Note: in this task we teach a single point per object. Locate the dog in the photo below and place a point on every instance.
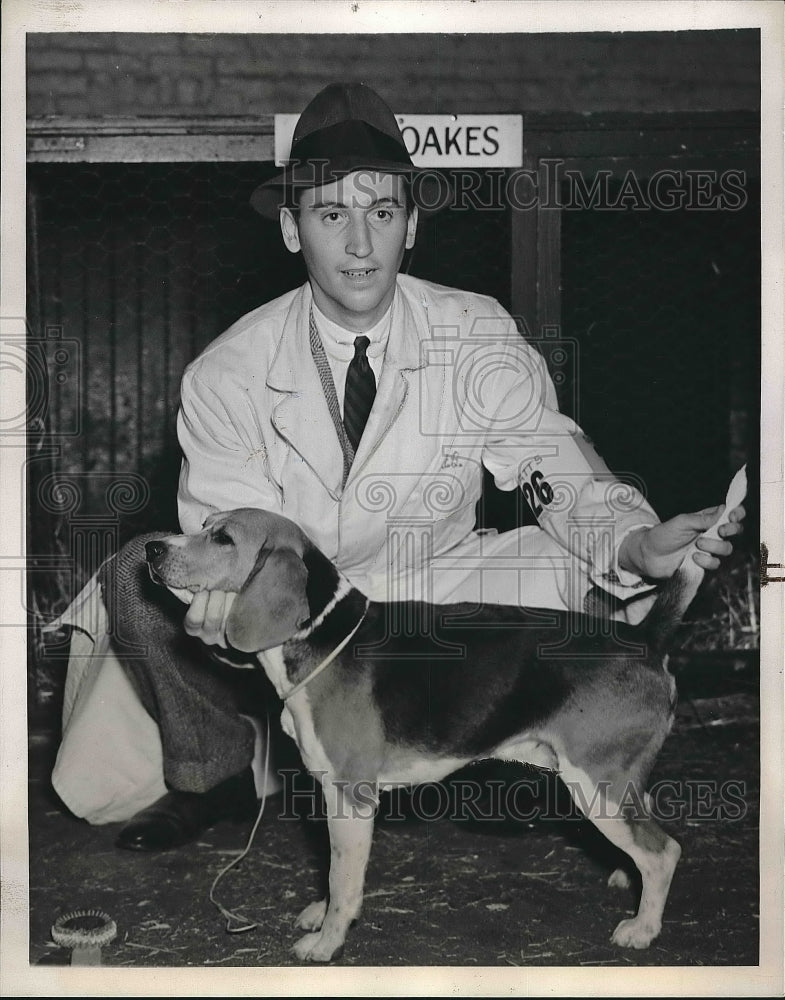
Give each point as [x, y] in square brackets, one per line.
[373, 705]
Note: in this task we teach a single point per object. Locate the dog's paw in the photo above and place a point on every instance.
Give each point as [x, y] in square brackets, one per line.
[312, 917]
[314, 948]
[634, 933]
[619, 879]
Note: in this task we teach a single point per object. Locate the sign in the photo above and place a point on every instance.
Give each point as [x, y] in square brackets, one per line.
[441, 140]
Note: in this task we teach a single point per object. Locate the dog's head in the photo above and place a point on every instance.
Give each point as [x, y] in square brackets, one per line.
[258, 555]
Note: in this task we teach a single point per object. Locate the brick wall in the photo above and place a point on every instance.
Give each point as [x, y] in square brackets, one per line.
[197, 74]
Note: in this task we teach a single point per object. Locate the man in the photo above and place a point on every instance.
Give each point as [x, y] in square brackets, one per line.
[363, 406]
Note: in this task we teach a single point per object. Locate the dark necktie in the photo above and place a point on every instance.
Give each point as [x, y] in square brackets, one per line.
[360, 392]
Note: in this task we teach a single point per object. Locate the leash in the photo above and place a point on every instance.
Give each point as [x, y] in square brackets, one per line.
[237, 923]
[328, 659]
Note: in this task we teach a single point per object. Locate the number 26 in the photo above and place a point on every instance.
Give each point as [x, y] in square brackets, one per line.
[538, 493]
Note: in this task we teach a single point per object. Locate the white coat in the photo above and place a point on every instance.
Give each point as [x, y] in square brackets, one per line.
[460, 388]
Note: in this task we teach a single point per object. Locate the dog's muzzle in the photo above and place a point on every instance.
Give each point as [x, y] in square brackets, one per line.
[154, 553]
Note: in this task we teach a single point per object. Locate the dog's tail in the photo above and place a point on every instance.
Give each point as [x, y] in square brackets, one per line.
[674, 598]
[677, 594]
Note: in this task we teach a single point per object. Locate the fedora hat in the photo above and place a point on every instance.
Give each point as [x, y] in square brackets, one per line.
[348, 127]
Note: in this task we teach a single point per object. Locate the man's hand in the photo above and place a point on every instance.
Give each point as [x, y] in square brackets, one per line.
[207, 614]
[657, 552]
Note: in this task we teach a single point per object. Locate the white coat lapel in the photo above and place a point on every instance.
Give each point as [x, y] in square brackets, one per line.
[301, 415]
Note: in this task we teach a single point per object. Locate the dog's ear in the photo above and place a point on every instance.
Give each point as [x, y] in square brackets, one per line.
[271, 605]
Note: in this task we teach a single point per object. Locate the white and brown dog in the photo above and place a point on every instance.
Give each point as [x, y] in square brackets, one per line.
[372, 705]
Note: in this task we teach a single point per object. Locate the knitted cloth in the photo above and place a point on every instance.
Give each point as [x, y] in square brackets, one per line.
[193, 699]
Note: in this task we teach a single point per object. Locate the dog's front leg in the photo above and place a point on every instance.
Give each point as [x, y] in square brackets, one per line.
[350, 824]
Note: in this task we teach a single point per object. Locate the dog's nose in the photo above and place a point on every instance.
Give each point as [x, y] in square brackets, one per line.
[154, 550]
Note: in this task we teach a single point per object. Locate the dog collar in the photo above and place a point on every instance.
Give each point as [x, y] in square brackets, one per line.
[328, 659]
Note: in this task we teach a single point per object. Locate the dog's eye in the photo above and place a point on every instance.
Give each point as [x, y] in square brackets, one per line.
[222, 537]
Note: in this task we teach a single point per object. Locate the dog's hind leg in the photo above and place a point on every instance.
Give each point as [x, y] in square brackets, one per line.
[620, 877]
[350, 824]
[619, 809]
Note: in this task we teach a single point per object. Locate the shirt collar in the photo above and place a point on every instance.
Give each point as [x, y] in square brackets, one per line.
[339, 342]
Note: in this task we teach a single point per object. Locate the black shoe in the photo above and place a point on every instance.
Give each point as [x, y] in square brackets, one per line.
[179, 817]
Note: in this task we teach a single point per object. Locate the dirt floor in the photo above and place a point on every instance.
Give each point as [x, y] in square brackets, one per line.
[509, 878]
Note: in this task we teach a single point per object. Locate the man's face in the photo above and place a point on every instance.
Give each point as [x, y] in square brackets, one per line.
[352, 234]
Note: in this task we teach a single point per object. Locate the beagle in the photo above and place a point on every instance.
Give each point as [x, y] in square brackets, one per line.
[379, 695]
